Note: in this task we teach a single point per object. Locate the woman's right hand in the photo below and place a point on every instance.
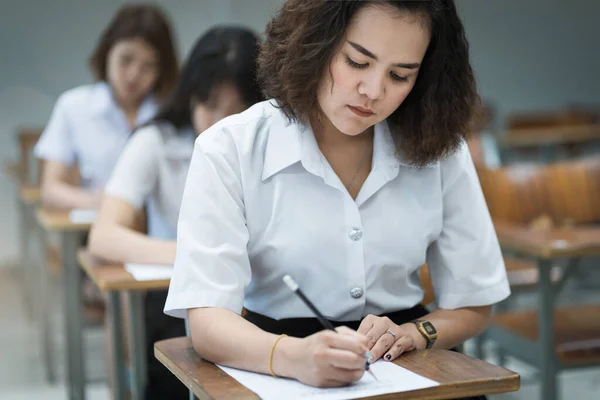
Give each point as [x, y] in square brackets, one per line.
[329, 359]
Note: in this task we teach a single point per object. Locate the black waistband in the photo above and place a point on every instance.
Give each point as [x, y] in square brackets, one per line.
[302, 327]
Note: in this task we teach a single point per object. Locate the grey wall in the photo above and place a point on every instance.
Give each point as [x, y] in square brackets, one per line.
[534, 54]
[527, 54]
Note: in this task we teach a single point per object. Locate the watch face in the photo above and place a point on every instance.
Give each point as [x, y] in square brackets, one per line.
[429, 328]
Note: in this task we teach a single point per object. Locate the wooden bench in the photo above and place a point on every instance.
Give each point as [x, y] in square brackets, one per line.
[459, 375]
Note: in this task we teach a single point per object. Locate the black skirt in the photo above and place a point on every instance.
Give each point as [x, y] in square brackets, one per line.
[303, 327]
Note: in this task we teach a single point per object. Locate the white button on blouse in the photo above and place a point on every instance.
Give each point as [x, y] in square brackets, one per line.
[261, 201]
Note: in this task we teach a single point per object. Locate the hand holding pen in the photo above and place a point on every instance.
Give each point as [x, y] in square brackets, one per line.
[347, 349]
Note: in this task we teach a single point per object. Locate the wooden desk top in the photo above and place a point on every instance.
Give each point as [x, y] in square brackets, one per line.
[547, 244]
[58, 221]
[30, 194]
[531, 137]
[459, 375]
[114, 277]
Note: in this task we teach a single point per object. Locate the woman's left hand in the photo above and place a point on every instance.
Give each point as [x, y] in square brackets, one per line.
[382, 343]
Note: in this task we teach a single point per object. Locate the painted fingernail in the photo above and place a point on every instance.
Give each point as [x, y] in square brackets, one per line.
[388, 357]
[369, 357]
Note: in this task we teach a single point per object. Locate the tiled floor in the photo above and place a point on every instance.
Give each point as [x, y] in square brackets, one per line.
[22, 374]
[22, 371]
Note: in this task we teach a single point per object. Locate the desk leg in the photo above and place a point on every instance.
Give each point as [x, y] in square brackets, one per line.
[45, 301]
[549, 363]
[73, 317]
[25, 260]
[116, 338]
[188, 333]
[137, 344]
[502, 307]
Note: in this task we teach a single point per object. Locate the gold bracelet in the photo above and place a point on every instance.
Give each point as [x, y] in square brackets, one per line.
[271, 354]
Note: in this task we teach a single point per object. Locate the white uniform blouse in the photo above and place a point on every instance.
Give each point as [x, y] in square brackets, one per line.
[151, 171]
[261, 201]
[88, 128]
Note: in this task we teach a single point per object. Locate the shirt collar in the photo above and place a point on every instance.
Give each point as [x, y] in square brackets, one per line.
[103, 103]
[283, 144]
[291, 142]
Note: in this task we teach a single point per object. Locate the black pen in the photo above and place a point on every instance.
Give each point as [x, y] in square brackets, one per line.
[291, 283]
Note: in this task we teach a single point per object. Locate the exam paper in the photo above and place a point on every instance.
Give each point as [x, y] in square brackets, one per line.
[78, 216]
[149, 272]
[392, 379]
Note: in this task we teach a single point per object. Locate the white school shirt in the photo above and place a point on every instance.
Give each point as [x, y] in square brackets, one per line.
[261, 201]
[88, 128]
[152, 170]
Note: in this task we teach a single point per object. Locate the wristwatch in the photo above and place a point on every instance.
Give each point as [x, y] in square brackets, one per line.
[428, 331]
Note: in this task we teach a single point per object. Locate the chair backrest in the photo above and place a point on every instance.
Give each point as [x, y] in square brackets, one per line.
[141, 221]
[566, 192]
[429, 295]
[29, 168]
[550, 119]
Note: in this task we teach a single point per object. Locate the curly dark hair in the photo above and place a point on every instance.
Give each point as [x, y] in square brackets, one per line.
[433, 120]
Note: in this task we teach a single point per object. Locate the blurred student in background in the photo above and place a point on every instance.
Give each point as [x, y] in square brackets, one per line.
[217, 80]
[135, 66]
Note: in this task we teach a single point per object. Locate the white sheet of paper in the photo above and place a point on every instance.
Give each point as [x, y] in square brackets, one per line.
[392, 379]
[149, 272]
[78, 216]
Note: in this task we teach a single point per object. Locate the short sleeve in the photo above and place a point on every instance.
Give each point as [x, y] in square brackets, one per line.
[212, 267]
[56, 143]
[136, 172]
[466, 263]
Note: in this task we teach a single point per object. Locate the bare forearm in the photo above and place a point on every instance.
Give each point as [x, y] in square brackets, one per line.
[121, 244]
[455, 326]
[223, 337]
[60, 195]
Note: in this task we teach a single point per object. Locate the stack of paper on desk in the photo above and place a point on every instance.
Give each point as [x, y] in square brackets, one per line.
[78, 216]
[149, 272]
[392, 379]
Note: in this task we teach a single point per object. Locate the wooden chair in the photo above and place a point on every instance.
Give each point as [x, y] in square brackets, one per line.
[539, 198]
[546, 119]
[429, 295]
[27, 138]
[566, 192]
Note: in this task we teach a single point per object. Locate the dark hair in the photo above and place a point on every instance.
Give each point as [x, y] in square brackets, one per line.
[431, 122]
[224, 54]
[149, 23]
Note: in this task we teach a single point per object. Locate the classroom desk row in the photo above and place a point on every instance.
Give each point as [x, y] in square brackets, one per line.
[528, 336]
